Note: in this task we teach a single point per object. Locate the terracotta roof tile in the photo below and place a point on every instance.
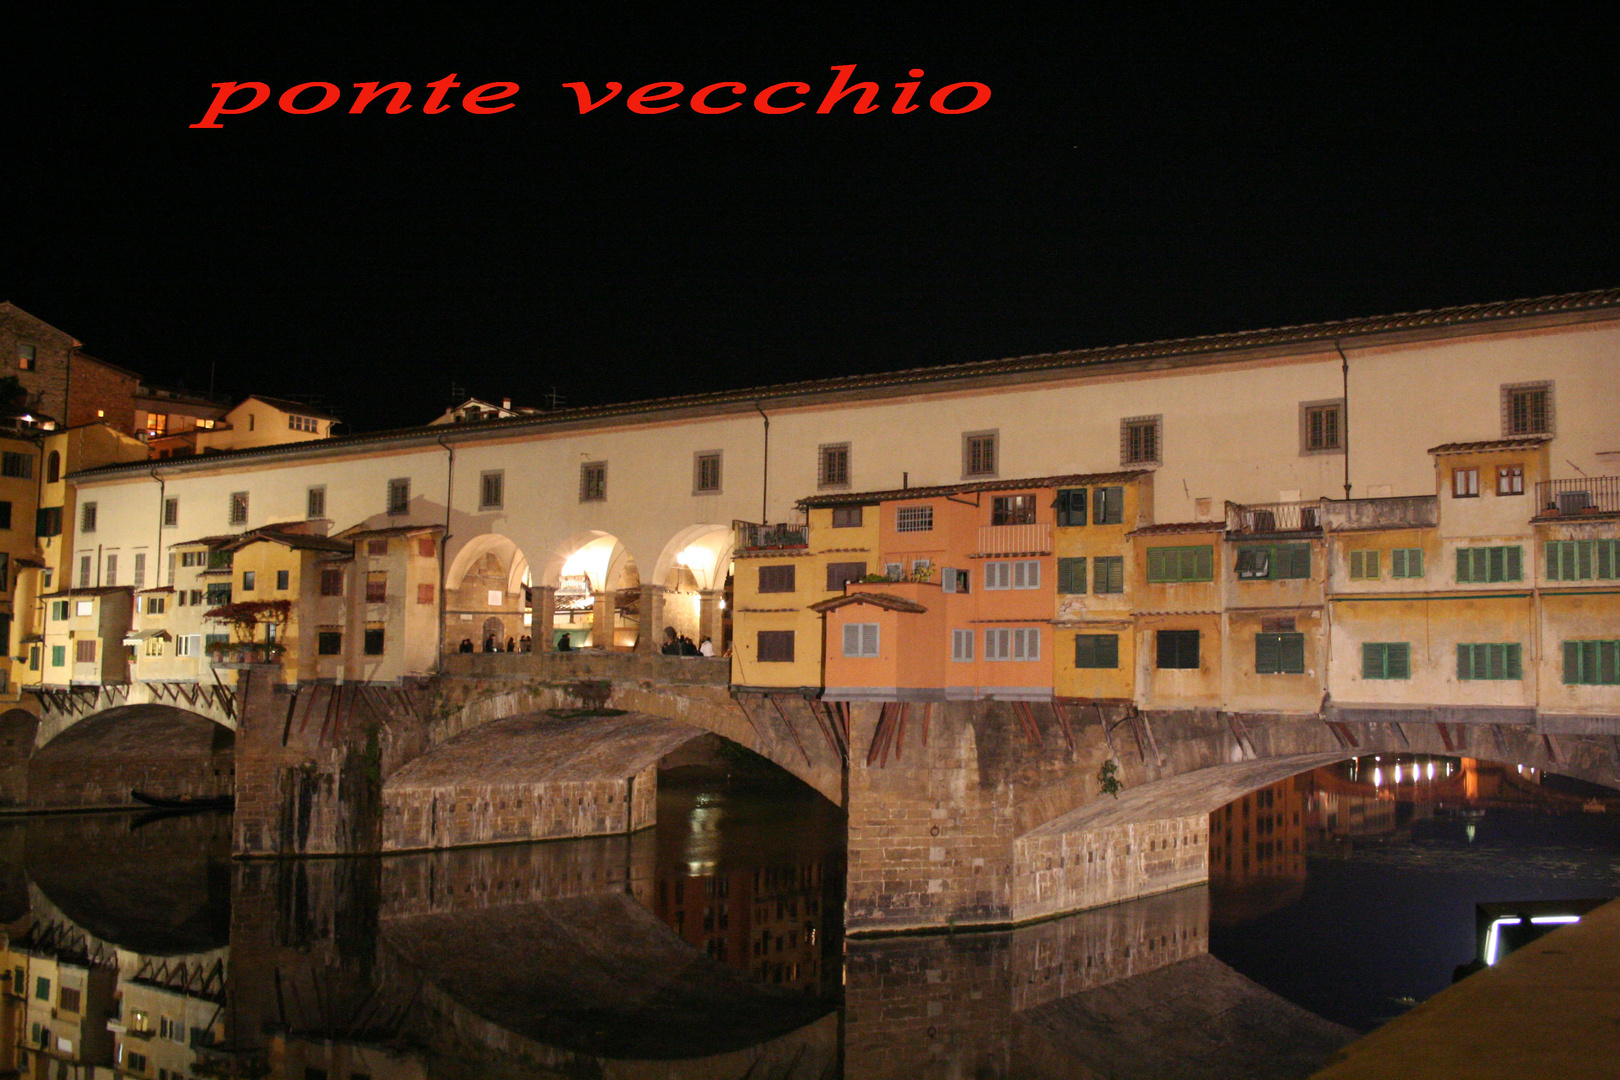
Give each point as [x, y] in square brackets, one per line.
[1171, 528]
[887, 601]
[1523, 442]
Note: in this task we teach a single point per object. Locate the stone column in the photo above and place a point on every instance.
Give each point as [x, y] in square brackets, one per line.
[602, 618]
[711, 619]
[544, 621]
[651, 636]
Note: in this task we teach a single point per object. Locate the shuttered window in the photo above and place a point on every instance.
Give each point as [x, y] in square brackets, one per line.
[1177, 648]
[376, 586]
[846, 517]
[1071, 576]
[914, 519]
[1096, 650]
[1386, 660]
[777, 579]
[1026, 574]
[961, 645]
[1488, 564]
[1107, 505]
[860, 639]
[775, 646]
[998, 575]
[1493, 661]
[1274, 562]
[1108, 574]
[1406, 563]
[1279, 654]
[1363, 565]
[840, 574]
[1026, 643]
[1583, 560]
[1071, 506]
[997, 644]
[1180, 564]
[1592, 663]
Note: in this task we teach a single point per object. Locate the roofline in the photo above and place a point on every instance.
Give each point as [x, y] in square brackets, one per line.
[866, 498]
[1424, 325]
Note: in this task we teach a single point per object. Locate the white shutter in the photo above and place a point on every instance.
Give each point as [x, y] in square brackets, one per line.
[1026, 574]
[961, 645]
[869, 639]
[947, 580]
[852, 639]
[997, 575]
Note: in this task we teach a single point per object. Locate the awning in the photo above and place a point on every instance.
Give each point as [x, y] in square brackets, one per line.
[142, 635]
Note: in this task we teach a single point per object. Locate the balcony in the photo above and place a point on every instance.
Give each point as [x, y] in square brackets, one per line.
[1574, 498]
[1274, 519]
[752, 537]
[1032, 539]
[1395, 512]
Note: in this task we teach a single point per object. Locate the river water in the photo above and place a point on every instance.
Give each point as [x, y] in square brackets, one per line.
[711, 946]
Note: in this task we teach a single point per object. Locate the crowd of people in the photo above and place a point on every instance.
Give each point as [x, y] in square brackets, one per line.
[674, 644]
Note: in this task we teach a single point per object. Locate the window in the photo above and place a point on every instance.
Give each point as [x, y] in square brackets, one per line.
[1364, 565]
[171, 513]
[374, 641]
[1464, 483]
[1108, 574]
[1071, 506]
[377, 547]
[1276, 562]
[426, 546]
[832, 468]
[376, 586]
[914, 519]
[1495, 662]
[58, 656]
[1510, 479]
[282, 580]
[1139, 440]
[42, 988]
[53, 467]
[778, 578]
[87, 518]
[1071, 576]
[1527, 409]
[27, 356]
[1178, 564]
[315, 503]
[399, 496]
[48, 521]
[1018, 574]
[846, 517]
[1279, 654]
[1023, 643]
[1489, 564]
[1583, 560]
[239, 507]
[1406, 563]
[860, 639]
[1321, 427]
[139, 580]
[1592, 663]
[332, 581]
[85, 570]
[775, 646]
[1107, 506]
[424, 593]
[217, 595]
[706, 472]
[952, 580]
[84, 651]
[17, 465]
[1177, 648]
[329, 643]
[1386, 660]
[979, 453]
[961, 645]
[1012, 510]
[137, 1062]
[155, 605]
[5, 515]
[59, 610]
[492, 489]
[1096, 650]
[84, 607]
[840, 574]
[188, 645]
[112, 570]
[593, 481]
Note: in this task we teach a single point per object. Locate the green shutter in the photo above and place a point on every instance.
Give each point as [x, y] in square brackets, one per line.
[1572, 662]
[1512, 668]
[1294, 561]
[1372, 661]
[1071, 576]
[1465, 565]
[1203, 564]
[1155, 565]
[1265, 654]
[1400, 661]
[1291, 654]
[1465, 661]
[1515, 563]
[1108, 650]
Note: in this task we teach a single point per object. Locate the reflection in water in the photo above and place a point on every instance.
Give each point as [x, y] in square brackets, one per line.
[713, 947]
[1350, 890]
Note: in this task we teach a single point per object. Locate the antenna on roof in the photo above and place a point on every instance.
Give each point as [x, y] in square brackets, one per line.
[554, 400]
[457, 394]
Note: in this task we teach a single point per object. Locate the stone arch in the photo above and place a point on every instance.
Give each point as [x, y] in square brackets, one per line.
[593, 573]
[487, 580]
[158, 749]
[692, 570]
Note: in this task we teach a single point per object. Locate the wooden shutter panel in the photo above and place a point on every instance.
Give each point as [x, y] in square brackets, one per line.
[1299, 565]
[1291, 653]
[1512, 663]
[852, 639]
[1400, 661]
[1515, 564]
[1465, 662]
[1372, 661]
[1204, 563]
[1572, 662]
[1266, 653]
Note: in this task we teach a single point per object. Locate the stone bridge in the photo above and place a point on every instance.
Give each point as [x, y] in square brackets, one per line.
[959, 813]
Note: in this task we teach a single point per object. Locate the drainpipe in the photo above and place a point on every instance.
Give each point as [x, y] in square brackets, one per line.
[765, 471]
[444, 544]
[1344, 434]
[157, 577]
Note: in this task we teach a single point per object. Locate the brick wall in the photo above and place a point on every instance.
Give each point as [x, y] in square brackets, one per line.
[98, 391]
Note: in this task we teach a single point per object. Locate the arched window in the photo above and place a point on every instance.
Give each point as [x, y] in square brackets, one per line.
[53, 467]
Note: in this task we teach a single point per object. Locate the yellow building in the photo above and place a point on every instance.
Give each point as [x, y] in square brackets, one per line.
[264, 421]
[19, 494]
[1094, 655]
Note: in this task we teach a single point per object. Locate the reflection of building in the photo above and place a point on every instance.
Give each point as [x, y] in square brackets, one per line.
[59, 996]
[1260, 835]
[767, 921]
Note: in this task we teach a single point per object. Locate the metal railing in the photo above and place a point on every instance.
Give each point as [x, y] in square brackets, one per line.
[1015, 539]
[1278, 517]
[751, 536]
[1586, 494]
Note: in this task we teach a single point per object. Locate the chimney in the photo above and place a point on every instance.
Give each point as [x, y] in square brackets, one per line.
[506, 403]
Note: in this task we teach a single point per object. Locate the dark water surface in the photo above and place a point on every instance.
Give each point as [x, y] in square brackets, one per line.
[713, 946]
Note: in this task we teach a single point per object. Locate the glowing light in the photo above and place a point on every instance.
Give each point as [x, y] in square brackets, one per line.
[1397, 773]
[1492, 935]
[691, 558]
[1431, 770]
[1378, 777]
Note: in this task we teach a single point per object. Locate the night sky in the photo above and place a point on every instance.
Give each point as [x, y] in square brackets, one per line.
[1131, 178]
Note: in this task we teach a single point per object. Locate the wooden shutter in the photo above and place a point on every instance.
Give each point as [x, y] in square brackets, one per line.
[1071, 576]
[1266, 648]
[1399, 660]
